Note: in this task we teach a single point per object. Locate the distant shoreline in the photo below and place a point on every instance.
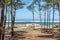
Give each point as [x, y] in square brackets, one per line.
[34, 21]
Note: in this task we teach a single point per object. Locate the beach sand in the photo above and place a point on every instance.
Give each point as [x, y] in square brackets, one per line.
[25, 32]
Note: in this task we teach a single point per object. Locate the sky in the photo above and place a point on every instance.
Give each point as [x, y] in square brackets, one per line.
[25, 14]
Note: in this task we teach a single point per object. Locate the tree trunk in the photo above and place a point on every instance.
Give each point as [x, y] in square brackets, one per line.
[44, 18]
[2, 22]
[59, 14]
[47, 18]
[39, 5]
[40, 18]
[8, 20]
[11, 20]
[53, 18]
[33, 19]
[5, 17]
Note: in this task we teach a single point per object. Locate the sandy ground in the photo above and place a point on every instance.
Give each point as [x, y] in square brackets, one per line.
[26, 34]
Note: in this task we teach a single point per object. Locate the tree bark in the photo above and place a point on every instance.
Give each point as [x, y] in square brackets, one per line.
[5, 17]
[44, 18]
[11, 20]
[53, 19]
[59, 14]
[32, 16]
[2, 22]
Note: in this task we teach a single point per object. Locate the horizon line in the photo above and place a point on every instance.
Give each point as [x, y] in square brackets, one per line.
[34, 21]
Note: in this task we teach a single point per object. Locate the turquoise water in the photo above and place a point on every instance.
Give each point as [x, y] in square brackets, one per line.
[42, 23]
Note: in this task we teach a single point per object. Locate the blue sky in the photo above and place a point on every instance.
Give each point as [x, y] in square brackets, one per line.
[25, 14]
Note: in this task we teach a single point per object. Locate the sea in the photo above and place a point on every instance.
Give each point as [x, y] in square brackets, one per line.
[36, 22]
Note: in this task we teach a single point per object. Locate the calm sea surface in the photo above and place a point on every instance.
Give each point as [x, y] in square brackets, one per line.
[42, 23]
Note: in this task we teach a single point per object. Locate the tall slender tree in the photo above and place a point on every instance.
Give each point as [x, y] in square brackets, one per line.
[5, 18]
[39, 5]
[31, 8]
[13, 7]
[2, 18]
[51, 2]
[46, 14]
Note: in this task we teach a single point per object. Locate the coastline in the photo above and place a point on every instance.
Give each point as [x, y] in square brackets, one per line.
[30, 26]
